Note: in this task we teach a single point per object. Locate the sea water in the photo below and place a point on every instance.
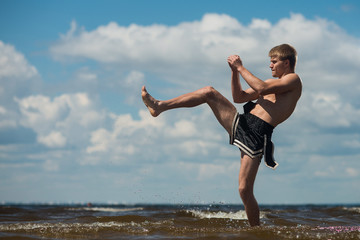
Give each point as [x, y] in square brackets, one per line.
[146, 221]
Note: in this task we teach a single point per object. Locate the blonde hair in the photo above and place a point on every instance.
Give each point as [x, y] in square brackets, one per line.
[285, 52]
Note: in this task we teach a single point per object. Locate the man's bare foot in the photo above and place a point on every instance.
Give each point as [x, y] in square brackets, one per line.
[151, 103]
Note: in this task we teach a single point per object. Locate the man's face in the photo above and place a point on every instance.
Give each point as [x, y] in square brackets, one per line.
[277, 67]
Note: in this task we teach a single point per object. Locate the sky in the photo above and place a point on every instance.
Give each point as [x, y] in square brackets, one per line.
[73, 127]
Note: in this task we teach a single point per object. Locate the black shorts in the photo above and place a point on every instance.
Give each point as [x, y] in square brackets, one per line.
[252, 136]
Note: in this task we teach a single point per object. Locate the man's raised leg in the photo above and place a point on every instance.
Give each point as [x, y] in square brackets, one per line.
[223, 109]
[247, 175]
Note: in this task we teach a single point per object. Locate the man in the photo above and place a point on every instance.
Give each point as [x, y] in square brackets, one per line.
[251, 131]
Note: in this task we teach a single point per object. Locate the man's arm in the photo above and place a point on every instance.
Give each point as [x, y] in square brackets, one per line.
[284, 84]
[239, 95]
[281, 85]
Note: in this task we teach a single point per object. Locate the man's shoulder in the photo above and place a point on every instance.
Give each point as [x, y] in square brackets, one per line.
[291, 77]
[293, 80]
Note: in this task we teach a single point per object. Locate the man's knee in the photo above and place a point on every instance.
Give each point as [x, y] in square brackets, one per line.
[245, 192]
[210, 92]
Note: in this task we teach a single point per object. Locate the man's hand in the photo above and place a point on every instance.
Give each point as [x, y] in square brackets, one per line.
[234, 62]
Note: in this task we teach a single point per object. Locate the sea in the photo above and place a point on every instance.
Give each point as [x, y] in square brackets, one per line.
[177, 221]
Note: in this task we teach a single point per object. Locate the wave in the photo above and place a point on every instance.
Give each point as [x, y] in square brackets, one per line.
[340, 229]
[239, 215]
[106, 209]
[352, 209]
[74, 228]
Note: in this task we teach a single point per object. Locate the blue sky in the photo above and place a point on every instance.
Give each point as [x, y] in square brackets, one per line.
[73, 127]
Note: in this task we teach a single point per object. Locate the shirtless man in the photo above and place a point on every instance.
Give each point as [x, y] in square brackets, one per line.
[251, 131]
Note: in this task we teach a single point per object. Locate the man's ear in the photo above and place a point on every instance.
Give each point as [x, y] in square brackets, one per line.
[287, 62]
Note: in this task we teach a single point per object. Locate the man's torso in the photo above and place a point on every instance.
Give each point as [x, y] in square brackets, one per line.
[276, 108]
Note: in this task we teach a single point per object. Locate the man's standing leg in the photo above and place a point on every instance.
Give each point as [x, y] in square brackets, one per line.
[247, 175]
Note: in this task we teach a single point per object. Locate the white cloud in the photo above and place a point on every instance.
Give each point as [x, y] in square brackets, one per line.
[54, 139]
[159, 48]
[328, 109]
[169, 136]
[126, 137]
[2, 110]
[352, 172]
[218, 169]
[334, 167]
[17, 79]
[17, 76]
[14, 64]
[65, 119]
[40, 112]
[131, 85]
[183, 128]
[7, 118]
[194, 147]
[353, 143]
[260, 24]
[100, 140]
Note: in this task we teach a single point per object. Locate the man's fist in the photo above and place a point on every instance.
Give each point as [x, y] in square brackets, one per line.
[234, 62]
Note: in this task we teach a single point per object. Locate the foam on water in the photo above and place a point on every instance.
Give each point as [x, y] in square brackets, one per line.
[106, 209]
[352, 209]
[71, 227]
[239, 215]
[339, 229]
